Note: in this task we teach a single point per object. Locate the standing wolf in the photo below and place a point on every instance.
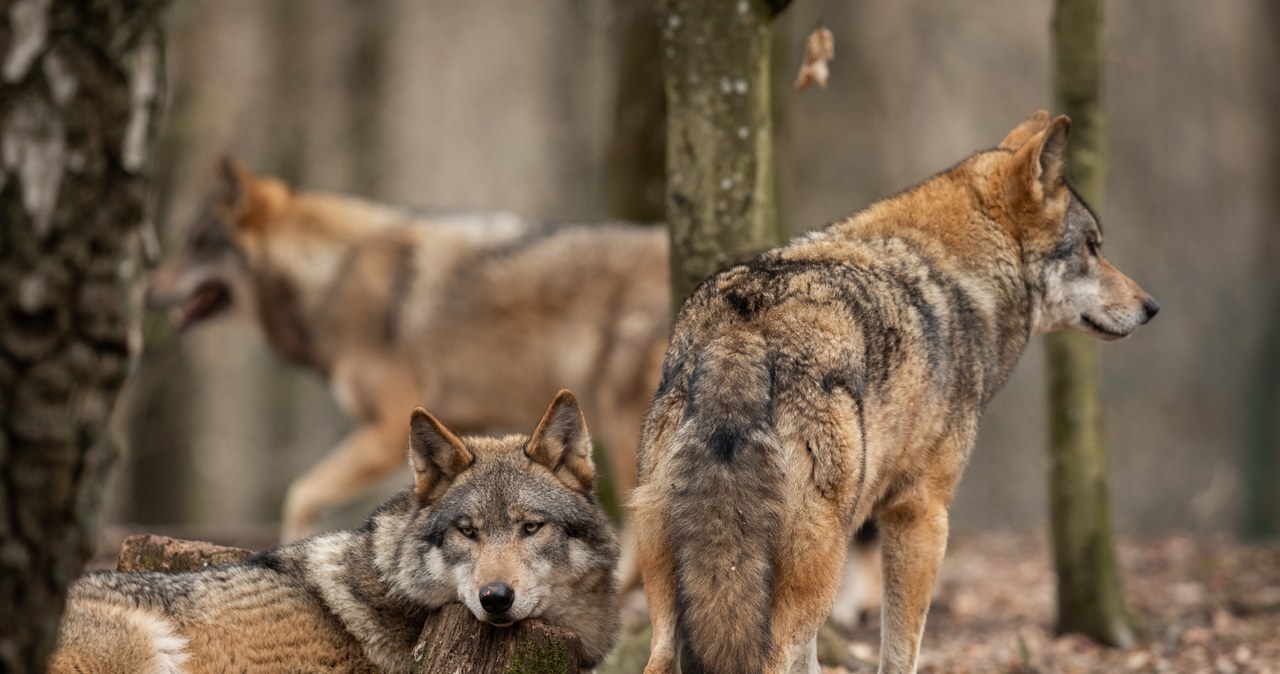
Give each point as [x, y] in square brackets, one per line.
[841, 378]
[509, 526]
[477, 317]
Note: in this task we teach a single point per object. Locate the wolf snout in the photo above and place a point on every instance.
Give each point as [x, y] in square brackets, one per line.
[497, 598]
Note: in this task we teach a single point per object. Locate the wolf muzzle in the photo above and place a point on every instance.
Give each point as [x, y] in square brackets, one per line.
[497, 598]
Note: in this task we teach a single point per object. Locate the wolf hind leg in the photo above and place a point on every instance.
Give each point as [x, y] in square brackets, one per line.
[913, 540]
[657, 566]
[99, 636]
[808, 575]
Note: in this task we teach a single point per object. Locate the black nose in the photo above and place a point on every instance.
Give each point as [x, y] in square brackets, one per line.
[497, 597]
[1152, 307]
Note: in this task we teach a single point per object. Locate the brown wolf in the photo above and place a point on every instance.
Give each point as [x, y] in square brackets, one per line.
[477, 317]
[509, 526]
[841, 378]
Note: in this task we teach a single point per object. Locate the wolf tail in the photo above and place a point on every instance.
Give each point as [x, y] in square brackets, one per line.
[726, 509]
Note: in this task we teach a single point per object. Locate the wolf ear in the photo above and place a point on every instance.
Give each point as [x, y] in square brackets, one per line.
[236, 179]
[1040, 165]
[1033, 124]
[562, 444]
[436, 455]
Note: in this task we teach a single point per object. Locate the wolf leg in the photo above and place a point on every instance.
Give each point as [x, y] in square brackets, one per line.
[369, 453]
[913, 539]
[805, 582]
[657, 565]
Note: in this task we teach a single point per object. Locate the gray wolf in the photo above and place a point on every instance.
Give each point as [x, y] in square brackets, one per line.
[510, 526]
[840, 379]
[478, 317]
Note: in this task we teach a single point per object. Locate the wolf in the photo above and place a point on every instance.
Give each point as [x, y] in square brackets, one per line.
[840, 379]
[396, 308]
[510, 526]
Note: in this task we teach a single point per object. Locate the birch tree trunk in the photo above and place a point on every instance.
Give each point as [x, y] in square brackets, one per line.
[720, 187]
[79, 94]
[1090, 598]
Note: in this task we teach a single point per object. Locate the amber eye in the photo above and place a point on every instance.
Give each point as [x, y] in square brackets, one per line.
[467, 530]
[531, 528]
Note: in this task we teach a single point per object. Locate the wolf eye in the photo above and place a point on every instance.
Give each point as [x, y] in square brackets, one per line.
[1092, 244]
[467, 530]
[531, 528]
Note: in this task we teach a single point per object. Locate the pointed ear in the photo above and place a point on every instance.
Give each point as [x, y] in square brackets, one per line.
[562, 444]
[235, 179]
[1039, 164]
[1033, 124]
[436, 455]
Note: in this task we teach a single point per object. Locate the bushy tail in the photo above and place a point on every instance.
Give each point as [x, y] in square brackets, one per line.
[726, 510]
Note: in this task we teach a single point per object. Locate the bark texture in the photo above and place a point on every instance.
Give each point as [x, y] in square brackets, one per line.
[453, 642]
[146, 552]
[79, 92]
[720, 187]
[1090, 598]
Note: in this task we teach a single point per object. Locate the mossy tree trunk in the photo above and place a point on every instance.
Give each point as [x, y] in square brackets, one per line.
[720, 187]
[79, 95]
[1090, 598]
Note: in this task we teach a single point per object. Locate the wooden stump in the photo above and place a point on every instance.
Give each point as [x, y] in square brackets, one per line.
[161, 553]
[453, 641]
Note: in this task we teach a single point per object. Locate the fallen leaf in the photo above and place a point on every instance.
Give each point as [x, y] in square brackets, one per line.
[819, 49]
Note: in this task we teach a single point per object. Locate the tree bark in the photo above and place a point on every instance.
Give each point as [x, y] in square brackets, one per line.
[79, 92]
[720, 187]
[454, 641]
[146, 552]
[1090, 598]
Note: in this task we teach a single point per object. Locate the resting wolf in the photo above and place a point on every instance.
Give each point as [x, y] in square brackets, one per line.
[509, 526]
[840, 378]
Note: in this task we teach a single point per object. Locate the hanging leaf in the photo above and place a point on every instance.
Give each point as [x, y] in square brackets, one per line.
[819, 49]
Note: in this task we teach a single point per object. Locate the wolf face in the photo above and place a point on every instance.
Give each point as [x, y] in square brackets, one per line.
[211, 276]
[1082, 290]
[513, 525]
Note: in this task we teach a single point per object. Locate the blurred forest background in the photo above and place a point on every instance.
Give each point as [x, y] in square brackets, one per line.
[534, 107]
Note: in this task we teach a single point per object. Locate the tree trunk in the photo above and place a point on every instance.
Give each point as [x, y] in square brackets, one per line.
[454, 641]
[720, 187]
[1260, 469]
[79, 94]
[1090, 599]
[637, 146]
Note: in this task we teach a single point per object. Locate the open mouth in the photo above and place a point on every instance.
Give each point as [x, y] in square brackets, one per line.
[208, 299]
[1098, 328]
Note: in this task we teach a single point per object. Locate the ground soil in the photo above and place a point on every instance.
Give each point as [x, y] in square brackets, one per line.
[1203, 606]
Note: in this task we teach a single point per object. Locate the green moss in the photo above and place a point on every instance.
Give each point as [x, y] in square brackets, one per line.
[535, 656]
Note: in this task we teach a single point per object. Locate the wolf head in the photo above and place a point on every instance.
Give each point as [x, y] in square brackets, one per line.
[513, 524]
[211, 275]
[1061, 240]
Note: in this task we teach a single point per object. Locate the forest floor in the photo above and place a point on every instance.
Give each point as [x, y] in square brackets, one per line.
[1203, 606]
[1208, 606]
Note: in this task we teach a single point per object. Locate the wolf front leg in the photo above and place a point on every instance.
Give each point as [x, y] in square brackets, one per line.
[367, 454]
[914, 538]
